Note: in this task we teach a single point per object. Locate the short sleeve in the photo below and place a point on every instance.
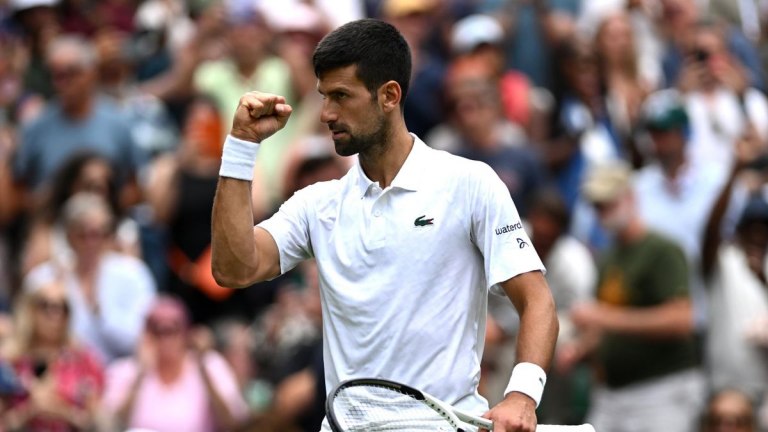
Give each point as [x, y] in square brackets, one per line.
[670, 275]
[498, 231]
[289, 228]
[120, 377]
[24, 158]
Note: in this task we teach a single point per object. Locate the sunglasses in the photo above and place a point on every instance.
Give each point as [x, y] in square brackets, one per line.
[163, 329]
[731, 421]
[51, 307]
[90, 233]
[65, 73]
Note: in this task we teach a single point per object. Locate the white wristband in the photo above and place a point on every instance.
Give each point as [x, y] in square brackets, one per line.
[529, 379]
[238, 158]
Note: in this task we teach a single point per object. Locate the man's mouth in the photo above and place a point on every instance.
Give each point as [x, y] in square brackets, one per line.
[336, 134]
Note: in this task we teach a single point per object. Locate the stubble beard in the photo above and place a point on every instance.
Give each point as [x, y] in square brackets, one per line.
[366, 145]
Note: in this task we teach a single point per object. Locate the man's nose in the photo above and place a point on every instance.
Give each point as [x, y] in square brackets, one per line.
[328, 114]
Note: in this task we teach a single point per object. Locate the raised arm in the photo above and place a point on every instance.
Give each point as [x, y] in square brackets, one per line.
[242, 254]
[747, 149]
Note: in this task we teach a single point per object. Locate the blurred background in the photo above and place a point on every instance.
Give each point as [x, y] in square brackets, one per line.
[603, 117]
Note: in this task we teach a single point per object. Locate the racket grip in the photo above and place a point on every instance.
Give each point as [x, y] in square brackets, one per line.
[561, 428]
[474, 420]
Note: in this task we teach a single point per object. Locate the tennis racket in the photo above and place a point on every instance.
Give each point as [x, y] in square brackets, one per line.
[373, 405]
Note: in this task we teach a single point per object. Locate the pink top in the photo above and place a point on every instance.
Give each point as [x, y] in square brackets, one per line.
[181, 406]
[78, 376]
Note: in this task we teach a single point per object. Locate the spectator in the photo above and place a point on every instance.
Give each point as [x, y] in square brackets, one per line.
[250, 65]
[677, 21]
[477, 129]
[85, 171]
[59, 382]
[481, 36]
[734, 270]
[77, 119]
[640, 330]
[719, 99]
[109, 292]
[152, 129]
[584, 134]
[729, 411]
[674, 193]
[618, 60]
[39, 26]
[175, 382]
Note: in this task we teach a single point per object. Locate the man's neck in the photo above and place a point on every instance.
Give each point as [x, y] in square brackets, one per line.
[635, 231]
[78, 111]
[246, 68]
[382, 164]
[672, 168]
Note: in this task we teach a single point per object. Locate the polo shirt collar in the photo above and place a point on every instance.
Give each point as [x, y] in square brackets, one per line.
[410, 174]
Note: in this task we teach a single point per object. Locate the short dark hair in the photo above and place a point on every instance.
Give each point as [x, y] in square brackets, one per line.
[377, 49]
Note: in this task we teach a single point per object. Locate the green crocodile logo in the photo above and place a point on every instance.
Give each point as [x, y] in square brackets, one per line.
[420, 221]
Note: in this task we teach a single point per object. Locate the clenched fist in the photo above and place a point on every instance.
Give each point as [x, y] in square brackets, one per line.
[259, 116]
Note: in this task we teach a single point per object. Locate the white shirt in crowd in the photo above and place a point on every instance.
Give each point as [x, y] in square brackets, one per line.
[719, 120]
[125, 291]
[739, 303]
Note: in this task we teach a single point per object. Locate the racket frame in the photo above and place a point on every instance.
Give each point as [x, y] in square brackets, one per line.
[453, 416]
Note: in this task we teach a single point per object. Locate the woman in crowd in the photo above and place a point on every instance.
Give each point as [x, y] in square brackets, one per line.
[621, 72]
[729, 410]
[84, 172]
[56, 384]
[174, 382]
[109, 292]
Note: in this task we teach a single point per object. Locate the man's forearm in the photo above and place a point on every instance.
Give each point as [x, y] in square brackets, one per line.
[538, 333]
[669, 320]
[539, 327]
[232, 244]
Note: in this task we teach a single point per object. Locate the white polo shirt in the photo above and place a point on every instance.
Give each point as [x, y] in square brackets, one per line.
[405, 271]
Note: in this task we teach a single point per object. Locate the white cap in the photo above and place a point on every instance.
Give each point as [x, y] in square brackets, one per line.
[18, 5]
[474, 30]
[287, 16]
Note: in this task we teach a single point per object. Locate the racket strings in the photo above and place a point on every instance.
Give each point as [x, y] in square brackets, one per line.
[372, 408]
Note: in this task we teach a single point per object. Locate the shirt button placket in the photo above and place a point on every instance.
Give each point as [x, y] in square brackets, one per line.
[378, 222]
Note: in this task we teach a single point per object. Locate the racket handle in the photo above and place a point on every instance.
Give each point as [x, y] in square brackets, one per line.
[474, 420]
[561, 428]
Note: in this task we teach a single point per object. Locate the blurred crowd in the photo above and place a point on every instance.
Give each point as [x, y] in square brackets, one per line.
[632, 135]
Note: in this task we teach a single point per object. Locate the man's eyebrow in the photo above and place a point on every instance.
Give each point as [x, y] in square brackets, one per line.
[338, 89]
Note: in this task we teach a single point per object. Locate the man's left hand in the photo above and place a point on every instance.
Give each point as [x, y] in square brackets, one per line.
[516, 413]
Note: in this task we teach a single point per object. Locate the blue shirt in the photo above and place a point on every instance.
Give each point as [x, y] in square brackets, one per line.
[48, 141]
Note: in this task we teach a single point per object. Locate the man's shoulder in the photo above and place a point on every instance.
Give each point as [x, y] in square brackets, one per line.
[662, 246]
[442, 161]
[215, 68]
[107, 109]
[48, 117]
[323, 190]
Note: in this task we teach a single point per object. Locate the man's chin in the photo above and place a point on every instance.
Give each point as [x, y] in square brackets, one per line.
[343, 148]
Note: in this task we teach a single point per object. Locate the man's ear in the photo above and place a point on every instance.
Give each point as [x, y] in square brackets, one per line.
[389, 95]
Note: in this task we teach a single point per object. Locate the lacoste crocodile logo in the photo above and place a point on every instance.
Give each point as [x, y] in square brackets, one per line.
[420, 221]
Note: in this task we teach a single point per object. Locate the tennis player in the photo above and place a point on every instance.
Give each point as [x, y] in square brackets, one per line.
[408, 243]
